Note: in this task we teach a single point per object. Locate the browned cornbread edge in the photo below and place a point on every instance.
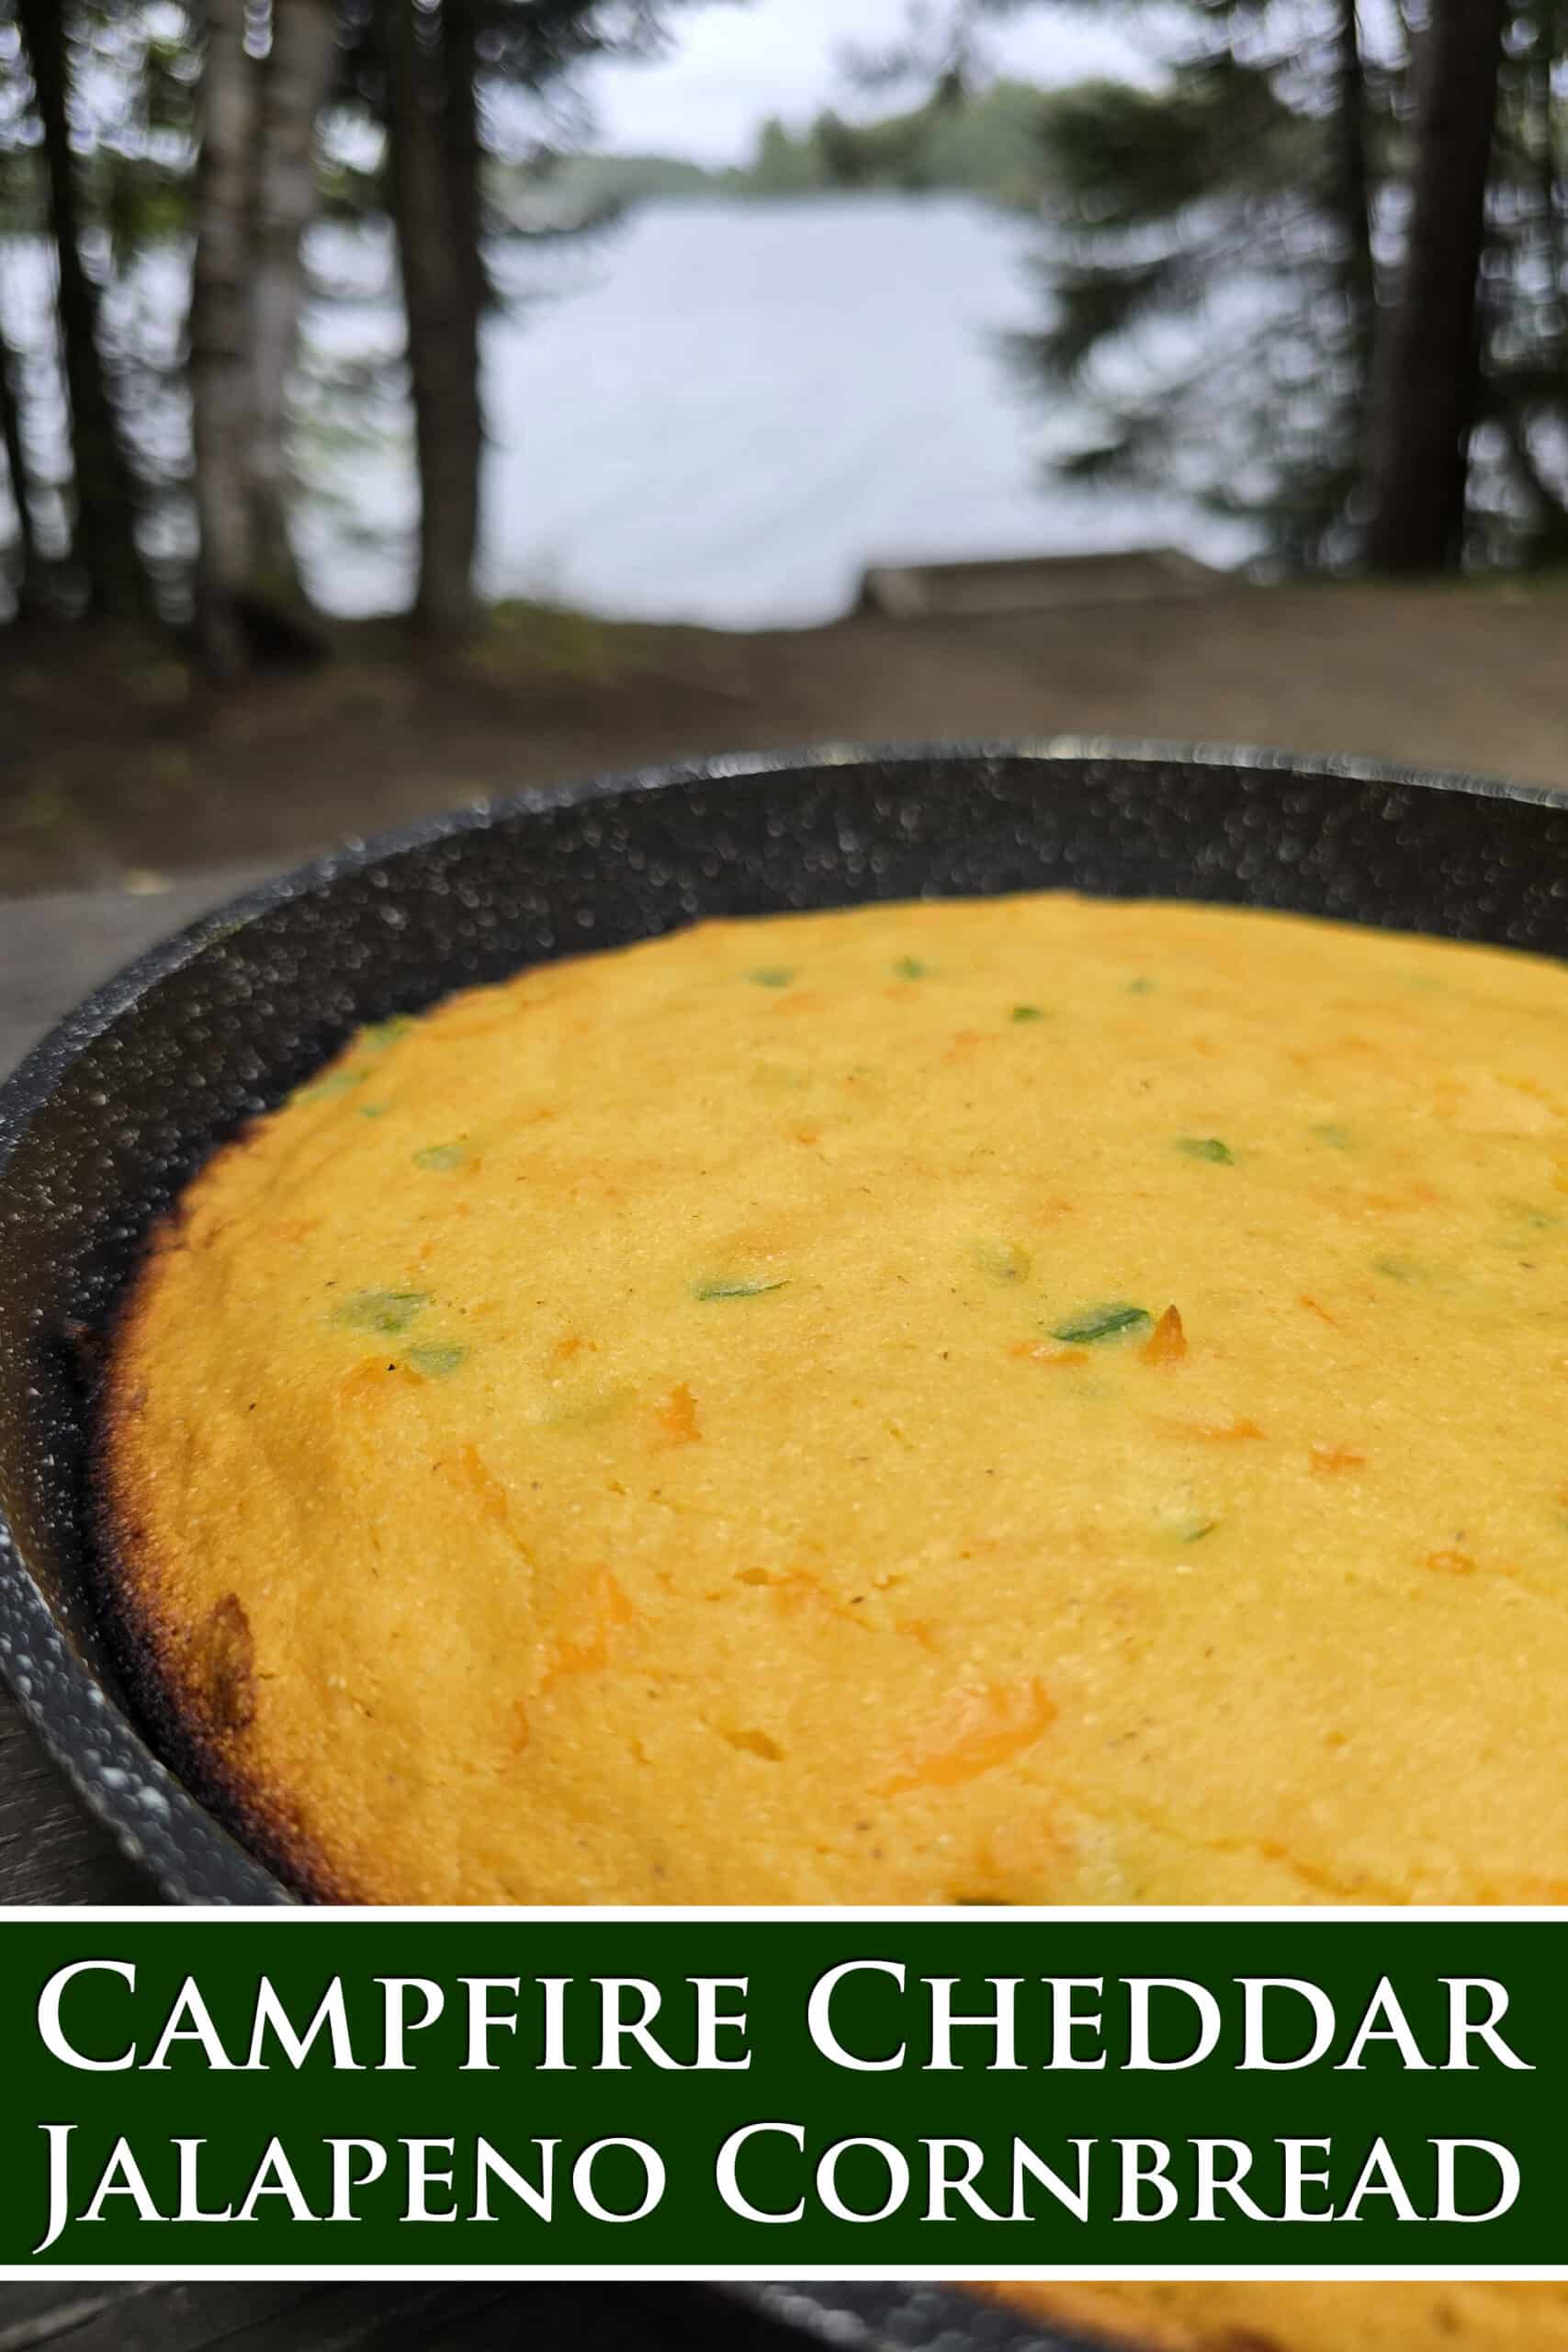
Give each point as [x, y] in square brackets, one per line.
[143, 1643]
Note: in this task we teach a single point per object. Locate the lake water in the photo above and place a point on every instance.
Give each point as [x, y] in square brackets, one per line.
[722, 410]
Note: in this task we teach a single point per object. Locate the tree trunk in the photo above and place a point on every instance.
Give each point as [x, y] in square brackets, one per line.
[298, 79]
[1427, 373]
[104, 539]
[30, 582]
[1355, 207]
[222, 388]
[438, 303]
[463, 159]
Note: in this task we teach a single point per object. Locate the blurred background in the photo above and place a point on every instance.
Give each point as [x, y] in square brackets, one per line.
[403, 401]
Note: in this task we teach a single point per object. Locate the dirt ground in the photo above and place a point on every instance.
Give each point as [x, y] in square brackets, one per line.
[112, 769]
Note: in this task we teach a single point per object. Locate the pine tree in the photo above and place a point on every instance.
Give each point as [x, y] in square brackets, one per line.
[1320, 284]
[1208, 272]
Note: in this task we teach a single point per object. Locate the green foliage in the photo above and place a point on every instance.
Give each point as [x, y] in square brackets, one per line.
[989, 142]
[1518, 490]
[1196, 282]
[784, 164]
[525, 636]
[986, 142]
[590, 184]
[1116, 156]
[1219, 249]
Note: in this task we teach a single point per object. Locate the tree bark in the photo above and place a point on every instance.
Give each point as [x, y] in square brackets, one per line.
[222, 388]
[1354, 205]
[1426, 372]
[429, 206]
[104, 536]
[298, 79]
[30, 582]
[463, 157]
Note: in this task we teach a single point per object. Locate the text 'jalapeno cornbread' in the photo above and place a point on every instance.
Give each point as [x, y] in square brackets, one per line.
[1023, 1400]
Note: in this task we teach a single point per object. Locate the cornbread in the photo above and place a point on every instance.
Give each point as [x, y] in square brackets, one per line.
[1262, 2315]
[1023, 1400]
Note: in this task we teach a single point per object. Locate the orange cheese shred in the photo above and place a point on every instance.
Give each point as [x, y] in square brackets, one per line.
[1166, 1343]
[678, 1417]
[1211, 1433]
[984, 1725]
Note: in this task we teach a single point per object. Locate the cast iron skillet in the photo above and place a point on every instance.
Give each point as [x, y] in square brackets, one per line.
[844, 2315]
[109, 1116]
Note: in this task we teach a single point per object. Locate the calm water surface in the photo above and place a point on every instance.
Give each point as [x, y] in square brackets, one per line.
[721, 411]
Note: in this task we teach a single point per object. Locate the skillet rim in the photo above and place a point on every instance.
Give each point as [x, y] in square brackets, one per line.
[33, 1082]
[964, 2319]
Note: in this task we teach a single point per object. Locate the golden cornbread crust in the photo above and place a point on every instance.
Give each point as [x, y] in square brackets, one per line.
[1024, 1401]
[1289, 2315]
[151, 1658]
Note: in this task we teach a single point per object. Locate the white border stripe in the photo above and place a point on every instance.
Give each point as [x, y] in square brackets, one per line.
[304, 1917]
[869, 2274]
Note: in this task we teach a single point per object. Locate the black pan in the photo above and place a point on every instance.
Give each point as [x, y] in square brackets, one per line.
[846, 2315]
[111, 1114]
